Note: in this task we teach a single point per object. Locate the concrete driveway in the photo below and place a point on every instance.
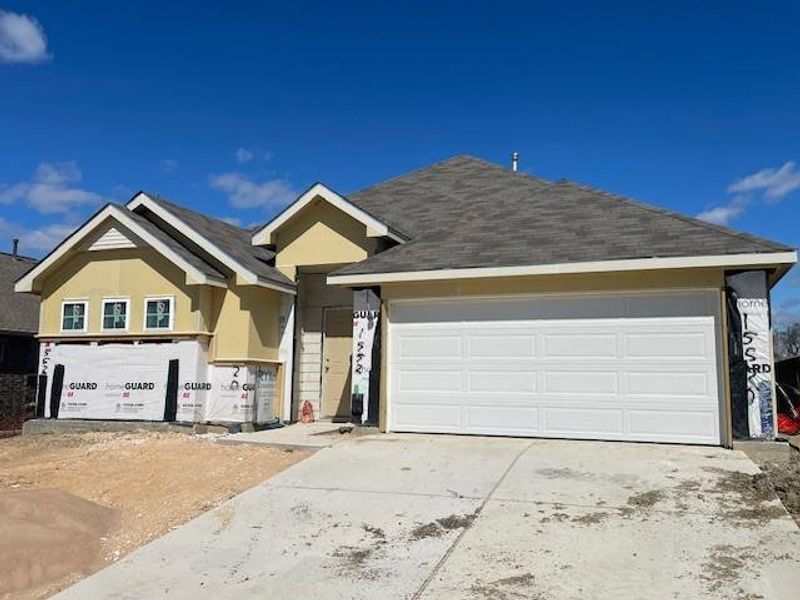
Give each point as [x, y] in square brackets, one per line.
[418, 516]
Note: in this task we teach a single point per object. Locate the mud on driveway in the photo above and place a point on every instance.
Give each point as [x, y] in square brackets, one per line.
[434, 517]
[70, 504]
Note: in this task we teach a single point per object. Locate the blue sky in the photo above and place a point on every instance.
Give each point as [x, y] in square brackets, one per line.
[231, 109]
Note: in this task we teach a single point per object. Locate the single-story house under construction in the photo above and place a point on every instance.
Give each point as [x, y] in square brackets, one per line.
[461, 298]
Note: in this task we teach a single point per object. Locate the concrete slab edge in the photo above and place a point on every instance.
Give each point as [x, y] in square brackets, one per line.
[288, 446]
[60, 426]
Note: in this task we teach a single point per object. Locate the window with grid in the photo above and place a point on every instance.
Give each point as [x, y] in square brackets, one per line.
[115, 314]
[73, 316]
[158, 313]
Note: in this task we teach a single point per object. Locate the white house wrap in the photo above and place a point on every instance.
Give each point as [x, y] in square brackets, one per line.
[116, 381]
[366, 316]
[756, 347]
[129, 382]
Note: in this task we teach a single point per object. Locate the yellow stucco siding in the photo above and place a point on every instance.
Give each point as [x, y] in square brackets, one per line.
[552, 284]
[321, 234]
[242, 320]
[134, 274]
[246, 324]
[264, 307]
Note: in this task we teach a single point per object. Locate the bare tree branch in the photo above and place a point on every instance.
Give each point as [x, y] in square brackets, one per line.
[787, 341]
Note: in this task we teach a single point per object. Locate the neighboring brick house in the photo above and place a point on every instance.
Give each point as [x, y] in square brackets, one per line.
[19, 350]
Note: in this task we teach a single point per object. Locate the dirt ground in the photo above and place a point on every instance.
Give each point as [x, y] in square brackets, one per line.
[70, 504]
[784, 477]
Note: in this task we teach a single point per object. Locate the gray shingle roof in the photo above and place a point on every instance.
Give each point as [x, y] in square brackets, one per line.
[19, 313]
[173, 244]
[234, 241]
[465, 212]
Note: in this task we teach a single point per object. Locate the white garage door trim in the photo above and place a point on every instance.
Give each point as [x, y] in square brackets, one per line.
[548, 398]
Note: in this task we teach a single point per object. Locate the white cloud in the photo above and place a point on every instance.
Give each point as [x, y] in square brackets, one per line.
[50, 190]
[771, 184]
[46, 237]
[168, 165]
[245, 193]
[22, 39]
[244, 155]
[231, 221]
[724, 214]
[775, 184]
[36, 241]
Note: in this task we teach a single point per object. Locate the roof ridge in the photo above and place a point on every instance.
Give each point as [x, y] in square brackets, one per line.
[232, 241]
[506, 170]
[676, 215]
[439, 163]
[18, 256]
[160, 198]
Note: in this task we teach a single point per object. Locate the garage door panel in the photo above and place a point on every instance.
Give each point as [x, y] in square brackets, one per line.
[429, 380]
[674, 424]
[664, 345]
[666, 384]
[501, 345]
[488, 419]
[521, 382]
[600, 367]
[430, 346]
[592, 383]
[565, 421]
[495, 401]
[430, 417]
[568, 345]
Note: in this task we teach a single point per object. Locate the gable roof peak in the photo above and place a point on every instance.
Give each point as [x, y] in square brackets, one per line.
[374, 227]
[227, 244]
[196, 269]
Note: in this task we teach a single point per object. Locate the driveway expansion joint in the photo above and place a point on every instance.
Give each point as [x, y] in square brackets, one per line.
[361, 491]
[462, 533]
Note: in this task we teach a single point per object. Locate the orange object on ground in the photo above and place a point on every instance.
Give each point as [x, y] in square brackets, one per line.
[307, 413]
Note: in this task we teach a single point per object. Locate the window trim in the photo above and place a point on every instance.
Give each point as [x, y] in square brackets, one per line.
[64, 303]
[171, 300]
[103, 303]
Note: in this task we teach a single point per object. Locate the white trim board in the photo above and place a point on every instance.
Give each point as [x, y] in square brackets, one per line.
[637, 264]
[250, 278]
[194, 276]
[375, 227]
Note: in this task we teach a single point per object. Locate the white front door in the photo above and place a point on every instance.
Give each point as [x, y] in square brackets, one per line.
[638, 367]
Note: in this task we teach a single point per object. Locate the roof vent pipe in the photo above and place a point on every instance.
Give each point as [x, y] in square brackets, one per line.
[514, 161]
[14, 247]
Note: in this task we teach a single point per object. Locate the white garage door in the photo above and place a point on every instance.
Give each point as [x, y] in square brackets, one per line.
[613, 367]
